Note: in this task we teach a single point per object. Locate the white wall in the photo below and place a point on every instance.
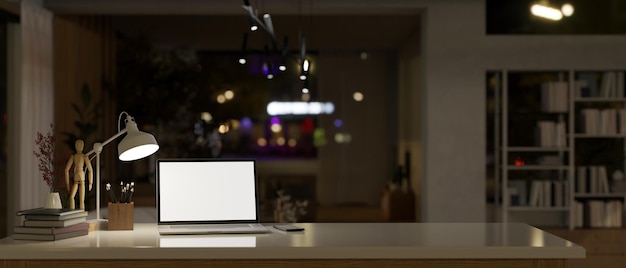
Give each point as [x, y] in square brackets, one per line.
[30, 104]
[454, 112]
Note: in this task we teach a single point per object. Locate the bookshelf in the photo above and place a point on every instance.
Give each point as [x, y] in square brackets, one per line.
[560, 147]
[599, 112]
[535, 152]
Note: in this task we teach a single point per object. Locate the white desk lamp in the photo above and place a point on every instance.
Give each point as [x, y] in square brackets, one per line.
[135, 145]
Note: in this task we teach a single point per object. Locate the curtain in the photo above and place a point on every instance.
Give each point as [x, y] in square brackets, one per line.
[30, 104]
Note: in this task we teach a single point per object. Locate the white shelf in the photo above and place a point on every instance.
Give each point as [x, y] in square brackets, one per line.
[599, 99]
[599, 195]
[536, 149]
[538, 167]
[532, 208]
[598, 136]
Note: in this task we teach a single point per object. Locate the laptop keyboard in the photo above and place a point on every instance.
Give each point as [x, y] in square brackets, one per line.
[220, 226]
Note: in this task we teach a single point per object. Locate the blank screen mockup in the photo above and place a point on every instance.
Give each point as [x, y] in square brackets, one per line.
[207, 191]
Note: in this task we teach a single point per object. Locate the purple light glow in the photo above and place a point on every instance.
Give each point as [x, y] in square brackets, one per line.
[338, 123]
[246, 123]
[275, 120]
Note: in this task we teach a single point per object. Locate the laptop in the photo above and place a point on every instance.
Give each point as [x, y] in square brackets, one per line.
[207, 196]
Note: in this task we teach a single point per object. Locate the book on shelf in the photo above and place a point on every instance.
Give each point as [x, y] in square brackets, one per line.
[611, 85]
[50, 237]
[600, 213]
[592, 179]
[609, 121]
[554, 97]
[79, 214]
[53, 223]
[49, 211]
[551, 133]
[548, 193]
[50, 230]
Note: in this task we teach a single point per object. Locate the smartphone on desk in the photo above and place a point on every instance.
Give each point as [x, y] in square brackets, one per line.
[288, 227]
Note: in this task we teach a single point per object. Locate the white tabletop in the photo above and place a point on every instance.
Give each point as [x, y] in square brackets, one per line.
[318, 241]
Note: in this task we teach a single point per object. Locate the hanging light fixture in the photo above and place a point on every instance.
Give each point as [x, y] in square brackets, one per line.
[282, 66]
[244, 48]
[543, 9]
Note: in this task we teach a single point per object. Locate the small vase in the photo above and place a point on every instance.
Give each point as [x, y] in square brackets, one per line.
[53, 200]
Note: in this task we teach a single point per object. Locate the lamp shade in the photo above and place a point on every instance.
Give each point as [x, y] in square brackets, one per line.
[136, 144]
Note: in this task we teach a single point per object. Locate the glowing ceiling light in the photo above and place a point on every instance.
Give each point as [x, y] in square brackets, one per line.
[280, 141]
[206, 117]
[300, 108]
[229, 94]
[221, 98]
[282, 68]
[276, 128]
[357, 96]
[242, 61]
[567, 9]
[546, 12]
[305, 65]
[223, 129]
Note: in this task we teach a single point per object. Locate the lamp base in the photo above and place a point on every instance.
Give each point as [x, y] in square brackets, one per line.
[97, 225]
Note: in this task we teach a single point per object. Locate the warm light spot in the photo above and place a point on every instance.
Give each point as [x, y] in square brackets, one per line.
[358, 96]
[567, 9]
[254, 27]
[280, 141]
[229, 94]
[546, 12]
[221, 98]
[223, 129]
[519, 161]
[261, 142]
[305, 65]
[292, 143]
[206, 117]
[343, 138]
[234, 124]
[305, 90]
[242, 61]
[282, 68]
[276, 128]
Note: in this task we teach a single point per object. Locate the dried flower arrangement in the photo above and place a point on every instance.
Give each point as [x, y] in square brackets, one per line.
[45, 155]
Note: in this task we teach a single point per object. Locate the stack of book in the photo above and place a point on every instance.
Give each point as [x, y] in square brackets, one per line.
[51, 224]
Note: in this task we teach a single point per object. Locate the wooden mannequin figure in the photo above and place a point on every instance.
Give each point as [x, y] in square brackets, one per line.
[79, 161]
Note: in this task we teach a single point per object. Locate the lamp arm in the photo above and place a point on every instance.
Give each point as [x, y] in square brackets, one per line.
[97, 147]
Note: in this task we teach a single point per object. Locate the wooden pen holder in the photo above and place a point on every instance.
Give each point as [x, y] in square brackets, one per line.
[121, 216]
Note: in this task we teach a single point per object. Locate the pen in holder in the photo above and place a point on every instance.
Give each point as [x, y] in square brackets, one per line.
[121, 216]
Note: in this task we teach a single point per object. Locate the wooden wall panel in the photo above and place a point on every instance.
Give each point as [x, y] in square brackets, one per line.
[84, 53]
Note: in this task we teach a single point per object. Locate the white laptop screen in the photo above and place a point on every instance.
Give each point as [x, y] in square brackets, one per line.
[206, 190]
